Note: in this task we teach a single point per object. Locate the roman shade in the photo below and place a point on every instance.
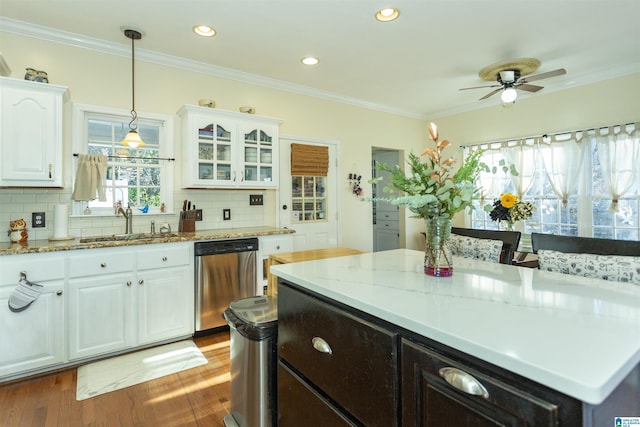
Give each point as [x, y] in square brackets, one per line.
[309, 160]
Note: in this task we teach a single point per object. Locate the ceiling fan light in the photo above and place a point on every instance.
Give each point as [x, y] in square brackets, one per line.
[509, 95]
[507, 76]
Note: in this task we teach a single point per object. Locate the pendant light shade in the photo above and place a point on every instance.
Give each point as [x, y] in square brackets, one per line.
[132, 139]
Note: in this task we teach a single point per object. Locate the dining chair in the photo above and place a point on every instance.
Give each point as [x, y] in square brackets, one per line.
[510, 240]
[608, 259]
[588, 245]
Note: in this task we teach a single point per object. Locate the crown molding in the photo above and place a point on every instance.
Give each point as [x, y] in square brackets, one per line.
[84, 42]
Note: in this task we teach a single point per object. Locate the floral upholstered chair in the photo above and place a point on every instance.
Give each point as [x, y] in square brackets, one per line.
[615, 260]
[472, 247]
[510, 240]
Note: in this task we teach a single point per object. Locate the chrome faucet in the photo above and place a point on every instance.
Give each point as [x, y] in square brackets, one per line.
[128, 216]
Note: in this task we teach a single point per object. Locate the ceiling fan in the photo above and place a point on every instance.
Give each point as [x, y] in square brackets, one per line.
[511, 75]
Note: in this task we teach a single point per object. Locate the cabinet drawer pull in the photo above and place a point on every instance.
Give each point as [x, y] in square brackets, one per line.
[321, 345]
[463, 381]
[103, 264]
[164, 258]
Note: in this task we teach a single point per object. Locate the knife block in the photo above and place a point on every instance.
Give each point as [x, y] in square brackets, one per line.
[185, 223]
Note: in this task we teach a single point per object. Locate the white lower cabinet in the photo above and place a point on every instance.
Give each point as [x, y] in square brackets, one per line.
[138, 295]
[165, 287]
[34, 338]
[100, 314]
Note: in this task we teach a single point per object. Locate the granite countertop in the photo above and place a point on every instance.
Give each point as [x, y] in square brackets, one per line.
[39, 246]
[576, 335]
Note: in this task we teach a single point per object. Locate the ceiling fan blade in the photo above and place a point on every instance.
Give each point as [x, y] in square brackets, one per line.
[479, 87]
[558, 72]
[490, 94]
[529, 88]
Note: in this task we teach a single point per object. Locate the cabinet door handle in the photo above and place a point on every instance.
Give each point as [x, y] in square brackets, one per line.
[141, 282]
[463, 381]
[321, 345]
[128, 282]
[164, 258]
[58, 292]
[103, 264]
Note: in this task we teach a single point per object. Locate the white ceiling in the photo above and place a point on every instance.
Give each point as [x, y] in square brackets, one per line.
[412, 66]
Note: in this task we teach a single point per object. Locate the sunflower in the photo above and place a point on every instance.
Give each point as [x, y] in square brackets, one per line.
[508, 200]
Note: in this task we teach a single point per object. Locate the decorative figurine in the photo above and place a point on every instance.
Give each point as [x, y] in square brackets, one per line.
[18, 231]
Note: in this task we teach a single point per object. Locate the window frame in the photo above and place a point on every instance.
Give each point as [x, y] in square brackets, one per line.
[585, 198]
[81, 113]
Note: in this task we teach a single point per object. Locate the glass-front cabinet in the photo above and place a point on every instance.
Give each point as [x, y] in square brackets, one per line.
[224, 149]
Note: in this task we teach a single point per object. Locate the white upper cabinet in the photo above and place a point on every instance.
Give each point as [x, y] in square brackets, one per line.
[224, 149]
[31, 133]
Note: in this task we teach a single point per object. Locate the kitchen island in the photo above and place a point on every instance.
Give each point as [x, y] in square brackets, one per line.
[573, 343]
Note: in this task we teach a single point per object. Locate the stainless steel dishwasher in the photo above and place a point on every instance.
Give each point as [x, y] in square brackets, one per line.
[225, 270]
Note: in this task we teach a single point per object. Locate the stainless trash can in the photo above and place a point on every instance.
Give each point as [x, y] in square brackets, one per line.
[253, 324]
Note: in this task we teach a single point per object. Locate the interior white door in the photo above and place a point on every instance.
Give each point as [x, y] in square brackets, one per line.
[320, 232]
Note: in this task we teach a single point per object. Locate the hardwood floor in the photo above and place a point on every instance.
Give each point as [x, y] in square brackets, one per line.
[196, 397]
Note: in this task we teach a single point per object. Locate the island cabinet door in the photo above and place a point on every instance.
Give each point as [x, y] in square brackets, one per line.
[300, 405]
[438, 391]
[351, 361]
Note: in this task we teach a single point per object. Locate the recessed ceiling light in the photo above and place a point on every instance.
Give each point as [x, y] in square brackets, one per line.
[387, 14]
[204, 30]
[309, 60]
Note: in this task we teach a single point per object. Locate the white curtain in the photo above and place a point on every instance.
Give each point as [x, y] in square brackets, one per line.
[562, 162]
[524, 156]
[90, 178]
[619, 155]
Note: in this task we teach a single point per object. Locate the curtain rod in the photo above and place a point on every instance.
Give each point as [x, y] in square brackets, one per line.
[169, 159]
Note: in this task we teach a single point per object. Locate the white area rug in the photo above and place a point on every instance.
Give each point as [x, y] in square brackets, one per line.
[135, 368]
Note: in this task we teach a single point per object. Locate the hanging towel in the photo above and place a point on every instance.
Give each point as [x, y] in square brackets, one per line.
[24, 294]
[90, 178]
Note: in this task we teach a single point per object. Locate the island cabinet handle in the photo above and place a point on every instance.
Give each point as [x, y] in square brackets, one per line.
[321, 345]
[463, 381]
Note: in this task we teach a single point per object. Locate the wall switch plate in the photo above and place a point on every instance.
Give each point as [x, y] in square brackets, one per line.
[38, 220]
[226, 214]
[198, 215]
[255, 200]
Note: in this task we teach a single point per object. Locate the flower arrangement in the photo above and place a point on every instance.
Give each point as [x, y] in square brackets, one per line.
[510, 208]
[432, 189]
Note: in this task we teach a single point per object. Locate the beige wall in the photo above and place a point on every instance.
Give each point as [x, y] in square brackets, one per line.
[102, 79]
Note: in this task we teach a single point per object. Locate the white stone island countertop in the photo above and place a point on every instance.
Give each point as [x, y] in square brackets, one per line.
[576, 335]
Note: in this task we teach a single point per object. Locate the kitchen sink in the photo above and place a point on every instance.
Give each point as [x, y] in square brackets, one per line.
[127, 237]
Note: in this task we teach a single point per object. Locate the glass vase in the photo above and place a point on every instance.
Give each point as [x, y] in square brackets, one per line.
[437, 254]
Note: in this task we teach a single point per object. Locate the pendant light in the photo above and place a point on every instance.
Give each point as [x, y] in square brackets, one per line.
[132, 139]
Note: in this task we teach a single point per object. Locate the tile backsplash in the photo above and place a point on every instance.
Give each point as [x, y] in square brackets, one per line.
[16, 203]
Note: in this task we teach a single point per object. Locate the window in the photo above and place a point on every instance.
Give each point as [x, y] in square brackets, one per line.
[575, 192]
[137, 177]
[308, 198]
